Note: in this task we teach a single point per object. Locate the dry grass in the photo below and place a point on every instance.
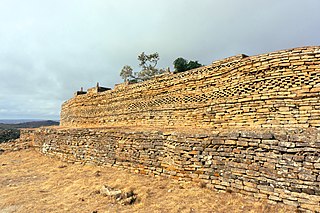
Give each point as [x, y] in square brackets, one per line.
[31, 182]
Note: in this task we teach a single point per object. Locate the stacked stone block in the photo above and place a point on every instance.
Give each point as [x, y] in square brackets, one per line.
[279, 89]
[256, 120]
[279, 165]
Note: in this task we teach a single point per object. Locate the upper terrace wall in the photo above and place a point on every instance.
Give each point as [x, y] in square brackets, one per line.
[278, 89]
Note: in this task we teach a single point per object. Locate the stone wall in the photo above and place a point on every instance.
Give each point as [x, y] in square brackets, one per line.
[242, 124]
[278, 89]
[279, 165]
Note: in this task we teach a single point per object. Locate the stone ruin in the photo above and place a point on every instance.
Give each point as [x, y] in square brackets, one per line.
[244, 124]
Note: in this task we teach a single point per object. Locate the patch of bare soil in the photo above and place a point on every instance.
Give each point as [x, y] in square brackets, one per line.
[31, 182]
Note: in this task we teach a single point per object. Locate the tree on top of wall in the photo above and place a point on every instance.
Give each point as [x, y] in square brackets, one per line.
[126, 73]
[148, 65]
[148, 70]
[181, 65]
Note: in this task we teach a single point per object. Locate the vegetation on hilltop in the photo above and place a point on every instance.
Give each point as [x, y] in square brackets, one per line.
[9, 134]
[181, 65]
[126, 73]
[148, 67]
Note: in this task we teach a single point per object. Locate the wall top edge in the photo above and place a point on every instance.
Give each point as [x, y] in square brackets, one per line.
[240, 58]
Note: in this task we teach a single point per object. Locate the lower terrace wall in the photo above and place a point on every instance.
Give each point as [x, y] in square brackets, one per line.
[279, 165]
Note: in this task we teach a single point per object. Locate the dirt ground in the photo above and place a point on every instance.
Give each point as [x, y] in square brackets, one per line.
[31, 182]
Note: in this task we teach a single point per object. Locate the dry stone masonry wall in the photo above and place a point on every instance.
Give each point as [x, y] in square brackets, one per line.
[279, 89]
[258, 116]
[282, 166]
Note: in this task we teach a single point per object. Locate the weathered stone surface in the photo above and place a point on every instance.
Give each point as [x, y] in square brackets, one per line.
[226, 93]
[124, 198]
[108, 191]
[256, 118]
[308, 177]
[235, 164]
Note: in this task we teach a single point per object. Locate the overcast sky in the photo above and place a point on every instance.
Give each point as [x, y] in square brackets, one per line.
[51, 48]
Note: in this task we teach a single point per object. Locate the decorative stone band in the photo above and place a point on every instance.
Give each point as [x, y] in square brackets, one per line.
[278, 89]
[238, 105]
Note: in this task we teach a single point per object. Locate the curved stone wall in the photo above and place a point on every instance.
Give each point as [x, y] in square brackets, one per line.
[278, 165]
[278, 89]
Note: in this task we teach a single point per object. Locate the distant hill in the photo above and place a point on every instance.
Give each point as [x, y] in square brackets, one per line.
[17, 121]
[31, 124]
[12, 131]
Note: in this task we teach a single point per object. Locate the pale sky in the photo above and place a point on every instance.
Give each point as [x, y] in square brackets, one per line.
[51, 48]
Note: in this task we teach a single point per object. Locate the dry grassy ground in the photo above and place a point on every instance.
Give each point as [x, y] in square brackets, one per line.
[31, 182]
